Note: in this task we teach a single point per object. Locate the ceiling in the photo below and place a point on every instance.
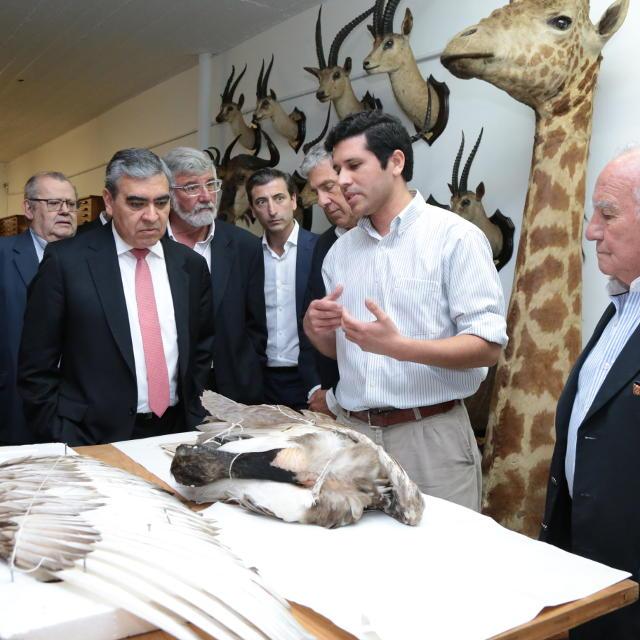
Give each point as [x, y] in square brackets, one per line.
[64, 62]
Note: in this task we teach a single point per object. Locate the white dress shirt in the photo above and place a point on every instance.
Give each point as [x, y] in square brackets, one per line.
[283, 347]
[203, 247]
[433, 274]
[166, 315]
[598, 363]
[39, 243]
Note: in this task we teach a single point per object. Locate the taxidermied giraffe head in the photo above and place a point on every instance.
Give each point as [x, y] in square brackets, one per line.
[536, 50]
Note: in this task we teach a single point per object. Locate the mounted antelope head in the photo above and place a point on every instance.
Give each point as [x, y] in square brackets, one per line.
[234, 172]
[334, 81]
[231, 112]
[392, 54]
[468, 204]
[291, 126]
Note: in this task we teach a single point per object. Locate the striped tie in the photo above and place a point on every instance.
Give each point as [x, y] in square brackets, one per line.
[154, 358]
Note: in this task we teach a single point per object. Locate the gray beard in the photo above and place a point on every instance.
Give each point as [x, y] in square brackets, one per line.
[202, 215]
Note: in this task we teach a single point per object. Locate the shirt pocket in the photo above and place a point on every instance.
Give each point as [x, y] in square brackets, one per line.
[415, 307]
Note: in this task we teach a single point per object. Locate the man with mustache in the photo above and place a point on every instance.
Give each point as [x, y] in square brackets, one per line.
[287, 250]
[118, 329]
[414, 316]
[234, 258]
[50, 203]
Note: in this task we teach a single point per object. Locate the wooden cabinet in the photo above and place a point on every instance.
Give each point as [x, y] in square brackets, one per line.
[12, 225]
[89, 208]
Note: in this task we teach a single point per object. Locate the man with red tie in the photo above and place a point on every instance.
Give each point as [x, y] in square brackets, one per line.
[118, 333]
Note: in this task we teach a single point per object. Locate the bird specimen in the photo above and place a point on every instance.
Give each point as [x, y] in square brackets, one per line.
[297, 467]
[133, 545]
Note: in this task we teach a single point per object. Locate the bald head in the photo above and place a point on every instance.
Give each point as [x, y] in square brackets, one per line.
[615, 224]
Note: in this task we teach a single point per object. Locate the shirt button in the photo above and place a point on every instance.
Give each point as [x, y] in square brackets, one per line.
[554, 482]
[606, 366]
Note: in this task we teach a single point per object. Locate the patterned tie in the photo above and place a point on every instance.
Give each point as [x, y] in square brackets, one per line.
[154, 358]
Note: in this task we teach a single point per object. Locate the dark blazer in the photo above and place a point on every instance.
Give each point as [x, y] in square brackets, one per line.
[237, 277]
[18, 266]
[327, 368]
[306, 360]
[96, 223]
[77, 316]
[602, 521]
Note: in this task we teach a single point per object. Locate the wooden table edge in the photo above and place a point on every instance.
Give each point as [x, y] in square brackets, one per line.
[550, 622]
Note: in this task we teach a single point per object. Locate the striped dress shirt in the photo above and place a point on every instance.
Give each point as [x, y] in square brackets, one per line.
[600, 360]
[433, 274]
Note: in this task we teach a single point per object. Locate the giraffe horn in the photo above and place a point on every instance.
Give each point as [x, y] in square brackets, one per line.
[235, 84]
[342, 34]
[456, 166]
[467, 166]
[319, 48]
[387, 18]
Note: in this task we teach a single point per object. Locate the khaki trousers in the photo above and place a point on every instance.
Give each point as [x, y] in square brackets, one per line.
[439, 453]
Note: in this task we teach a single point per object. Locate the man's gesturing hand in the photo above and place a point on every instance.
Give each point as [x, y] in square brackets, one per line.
[325, 314]
[380, 336]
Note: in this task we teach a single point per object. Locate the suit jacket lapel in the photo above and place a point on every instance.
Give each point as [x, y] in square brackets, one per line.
[623, 372]
[179, 283]
[25, 257]
[105, 270]
[303, 264]
[565, 404]
[221, 261]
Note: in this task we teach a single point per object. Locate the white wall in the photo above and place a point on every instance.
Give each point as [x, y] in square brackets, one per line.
[167, 114]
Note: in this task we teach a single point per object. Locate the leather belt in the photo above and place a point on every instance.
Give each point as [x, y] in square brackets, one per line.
[390, 416]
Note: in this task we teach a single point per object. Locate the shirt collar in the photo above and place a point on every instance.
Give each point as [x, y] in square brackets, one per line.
[39, 239]
[402, 221]
[616, 288]
[292, 240]
[123, 247]
[340, 231]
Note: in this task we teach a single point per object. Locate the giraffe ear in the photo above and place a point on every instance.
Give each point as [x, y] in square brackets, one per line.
[612, 19]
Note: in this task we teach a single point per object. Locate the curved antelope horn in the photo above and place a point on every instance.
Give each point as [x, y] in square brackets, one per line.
[455, 189]
[214, 158]
[227, 153]
[225, 93]
[259, 93]
[274, 154]
[342, 34]
[319, 49]
[265, 80]
[323, 133]
[378, 8]
[467, 166]
[235, 84]
[387, 18]
[425, 124]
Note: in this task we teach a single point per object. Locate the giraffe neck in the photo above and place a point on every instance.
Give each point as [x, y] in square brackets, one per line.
[544, 316]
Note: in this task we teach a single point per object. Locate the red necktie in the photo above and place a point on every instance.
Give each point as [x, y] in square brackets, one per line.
[154, 358]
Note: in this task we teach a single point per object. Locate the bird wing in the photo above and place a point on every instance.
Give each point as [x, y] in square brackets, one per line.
[129, 543]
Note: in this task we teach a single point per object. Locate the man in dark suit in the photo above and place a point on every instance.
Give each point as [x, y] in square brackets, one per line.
[592, 498]
[50, 208]
[317, 167]
[287, 250]
[118, 330]
[234, 257]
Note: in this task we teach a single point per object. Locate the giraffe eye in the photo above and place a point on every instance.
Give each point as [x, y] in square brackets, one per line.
[562, 23]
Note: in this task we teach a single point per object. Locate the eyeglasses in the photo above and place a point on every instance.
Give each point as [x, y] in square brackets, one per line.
[56, 204]
[193, 189]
